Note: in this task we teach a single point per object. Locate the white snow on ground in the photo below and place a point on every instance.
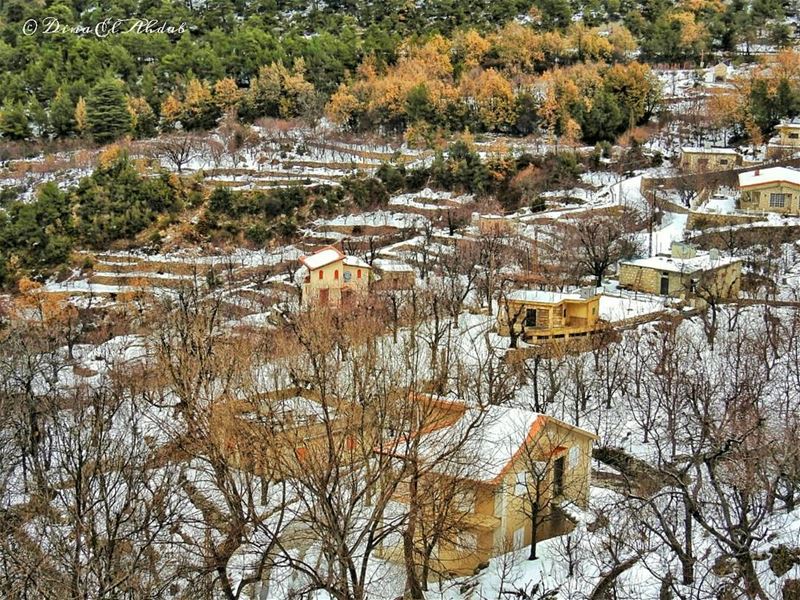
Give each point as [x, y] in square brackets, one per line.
[374, 219]
[84, 287]
[429, 199]
[672, 229]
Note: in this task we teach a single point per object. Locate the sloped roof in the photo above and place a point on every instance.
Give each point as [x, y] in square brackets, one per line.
[322, 257]
[355, 261]
[496, 436]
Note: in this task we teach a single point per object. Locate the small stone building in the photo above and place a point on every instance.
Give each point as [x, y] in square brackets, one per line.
[686, 273]
[776, 189]
[700, 160]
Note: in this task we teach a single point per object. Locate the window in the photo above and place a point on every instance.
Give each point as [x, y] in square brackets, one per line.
[500, 502]
[320, 274]
[301, 453]
[358, 274]
[572, 457]
[793, 136]
[530, 317]
[336, 274]
[777, 200]
[519, 538]
[723, 161]
[558, 477]
[521, 487]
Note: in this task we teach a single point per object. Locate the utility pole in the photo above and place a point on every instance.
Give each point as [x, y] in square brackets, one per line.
[652, 218]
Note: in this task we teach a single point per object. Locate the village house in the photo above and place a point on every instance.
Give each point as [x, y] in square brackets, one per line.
[276, 434]
[787, 139]
[520, 468]
[776, 189]
[789, 133]
[701, 159]
[330, 278]
[686, 273]
[537, 316]
[393, 275]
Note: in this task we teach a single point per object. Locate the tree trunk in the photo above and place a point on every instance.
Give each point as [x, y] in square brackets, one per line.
[687, 559]
[413, 586]
[534, 527]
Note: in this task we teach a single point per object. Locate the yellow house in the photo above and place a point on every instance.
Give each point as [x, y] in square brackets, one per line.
[776, 189]
[789, 133]
[686, 274]
[702, 160]
[329, 277]
[275, 435]
[515, 477]
[537, 315]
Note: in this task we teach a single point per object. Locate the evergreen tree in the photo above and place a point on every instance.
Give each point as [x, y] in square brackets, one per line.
[14, 122]
[62, 114]
[107, 111]
[38, 118]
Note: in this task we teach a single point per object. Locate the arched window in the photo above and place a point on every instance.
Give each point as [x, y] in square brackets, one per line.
[320, 273]
[358, 274]
[336, 274]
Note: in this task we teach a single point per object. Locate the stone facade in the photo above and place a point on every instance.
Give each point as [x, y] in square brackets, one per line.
[689, 277]
[699, 160]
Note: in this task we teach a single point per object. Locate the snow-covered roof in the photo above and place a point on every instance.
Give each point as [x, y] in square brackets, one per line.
[702, 262]
[355, 261]
[321, 258]
[793, 123]
[492, 445]
[391, 265]
[704, 150]
[494, 435]
[770, 175]
[541, 296]
[300, 406]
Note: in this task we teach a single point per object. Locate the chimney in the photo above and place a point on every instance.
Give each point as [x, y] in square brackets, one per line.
[758, 172]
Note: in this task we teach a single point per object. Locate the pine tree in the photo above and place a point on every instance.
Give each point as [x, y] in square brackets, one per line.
[14, 122]
[38, 118]
[62, 114]
[107, 111]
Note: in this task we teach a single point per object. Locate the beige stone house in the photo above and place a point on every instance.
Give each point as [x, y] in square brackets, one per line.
[786, 140]
[776, 189]
[686, 273]
[538, 316]
[700, 160]
[789, 133]
[330, 278]
[513, 458]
